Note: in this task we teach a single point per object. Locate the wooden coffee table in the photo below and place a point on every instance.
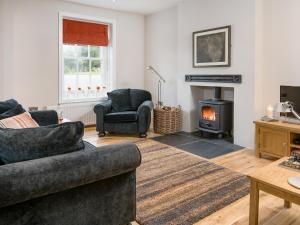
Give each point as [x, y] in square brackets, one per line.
[273, 180]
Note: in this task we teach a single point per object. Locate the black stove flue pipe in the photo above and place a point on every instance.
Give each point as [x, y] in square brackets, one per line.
[218, 93]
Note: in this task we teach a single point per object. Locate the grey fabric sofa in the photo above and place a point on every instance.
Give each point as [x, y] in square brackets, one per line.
[94, 186]
[135, 119]
[80, 188]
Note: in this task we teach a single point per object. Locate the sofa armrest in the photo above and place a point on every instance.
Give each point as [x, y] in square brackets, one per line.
[144, 116]
[45, 117]
[35, 178]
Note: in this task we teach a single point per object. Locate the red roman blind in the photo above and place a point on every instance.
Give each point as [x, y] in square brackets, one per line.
[84, 33]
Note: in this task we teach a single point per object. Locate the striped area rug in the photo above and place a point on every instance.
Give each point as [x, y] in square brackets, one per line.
[177, 188]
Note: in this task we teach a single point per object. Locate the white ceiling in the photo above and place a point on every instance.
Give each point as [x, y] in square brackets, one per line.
[136, 6]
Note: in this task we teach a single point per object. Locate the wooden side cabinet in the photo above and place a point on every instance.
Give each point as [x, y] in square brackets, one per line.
[275, 138]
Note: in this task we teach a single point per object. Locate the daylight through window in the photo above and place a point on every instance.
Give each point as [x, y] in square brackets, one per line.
[86, 61]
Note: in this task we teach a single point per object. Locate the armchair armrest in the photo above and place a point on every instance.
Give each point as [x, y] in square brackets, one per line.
[45, 117]
[35, 178]
[103, 107]
[146, 105]
[101, 110]
[144, 117]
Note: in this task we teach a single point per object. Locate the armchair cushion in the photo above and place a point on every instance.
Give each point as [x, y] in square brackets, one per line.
[120, 100]
[17, 110]
[120, 117]
[25, 144]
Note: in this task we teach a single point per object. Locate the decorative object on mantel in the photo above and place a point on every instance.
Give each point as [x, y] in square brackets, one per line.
[167, 120]
[235, 78]
[161, 79]
[211, 48]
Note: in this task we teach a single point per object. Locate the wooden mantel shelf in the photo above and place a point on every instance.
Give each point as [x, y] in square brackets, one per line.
[275, 138]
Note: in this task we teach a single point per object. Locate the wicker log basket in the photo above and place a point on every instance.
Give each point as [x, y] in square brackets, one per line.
[167, 120]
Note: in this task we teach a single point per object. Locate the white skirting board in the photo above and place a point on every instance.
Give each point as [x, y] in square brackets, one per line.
[77, 112]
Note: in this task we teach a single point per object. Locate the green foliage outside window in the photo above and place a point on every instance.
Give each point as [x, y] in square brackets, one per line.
[82, 60]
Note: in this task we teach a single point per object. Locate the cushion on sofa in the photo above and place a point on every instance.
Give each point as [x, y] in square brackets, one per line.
[17, 110]
[120, 100]
[31, 143]
[21, 121]
[7, 105]
[120, 117]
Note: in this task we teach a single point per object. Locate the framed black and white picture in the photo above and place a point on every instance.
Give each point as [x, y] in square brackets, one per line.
[211, 48]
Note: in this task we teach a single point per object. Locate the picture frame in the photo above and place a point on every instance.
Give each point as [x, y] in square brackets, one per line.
[212, 47]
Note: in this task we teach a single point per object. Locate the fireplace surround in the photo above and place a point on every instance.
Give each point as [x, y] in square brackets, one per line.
[216, 115]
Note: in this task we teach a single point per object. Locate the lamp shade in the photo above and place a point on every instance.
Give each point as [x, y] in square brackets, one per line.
[281, 108]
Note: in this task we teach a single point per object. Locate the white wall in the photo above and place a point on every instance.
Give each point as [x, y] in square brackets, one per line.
[29, 41]
[265, 50]
[161, 53]
[281, 47]
[6, 49]
[195, 15]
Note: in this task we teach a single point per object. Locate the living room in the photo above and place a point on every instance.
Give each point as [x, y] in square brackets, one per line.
[191, 103]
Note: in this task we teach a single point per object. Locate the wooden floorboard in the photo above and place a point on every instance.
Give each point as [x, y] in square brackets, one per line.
[244, 161]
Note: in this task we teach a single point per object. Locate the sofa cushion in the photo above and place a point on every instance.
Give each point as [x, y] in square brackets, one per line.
[120, 100]
[7, 105]
[21, 121]
[119, 117]
[138, 97]
[17, 110]
[25, 144]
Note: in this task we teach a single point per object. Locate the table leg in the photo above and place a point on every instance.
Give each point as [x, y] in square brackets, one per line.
[287, 204]
[254, 203]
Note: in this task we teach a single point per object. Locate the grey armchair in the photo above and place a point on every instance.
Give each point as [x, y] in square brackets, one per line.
[127, 111]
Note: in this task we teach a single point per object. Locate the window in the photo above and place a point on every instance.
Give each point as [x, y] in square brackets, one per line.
[86, 55]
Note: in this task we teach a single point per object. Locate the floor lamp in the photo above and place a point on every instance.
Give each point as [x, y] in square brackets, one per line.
[160, 80]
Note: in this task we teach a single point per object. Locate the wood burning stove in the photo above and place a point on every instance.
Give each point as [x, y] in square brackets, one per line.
[216, 115]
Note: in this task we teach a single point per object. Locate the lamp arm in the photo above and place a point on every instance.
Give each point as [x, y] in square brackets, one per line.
[157, 73]
[295, 113]
[290, 106]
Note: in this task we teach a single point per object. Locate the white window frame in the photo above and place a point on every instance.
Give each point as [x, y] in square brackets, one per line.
[112, 54]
